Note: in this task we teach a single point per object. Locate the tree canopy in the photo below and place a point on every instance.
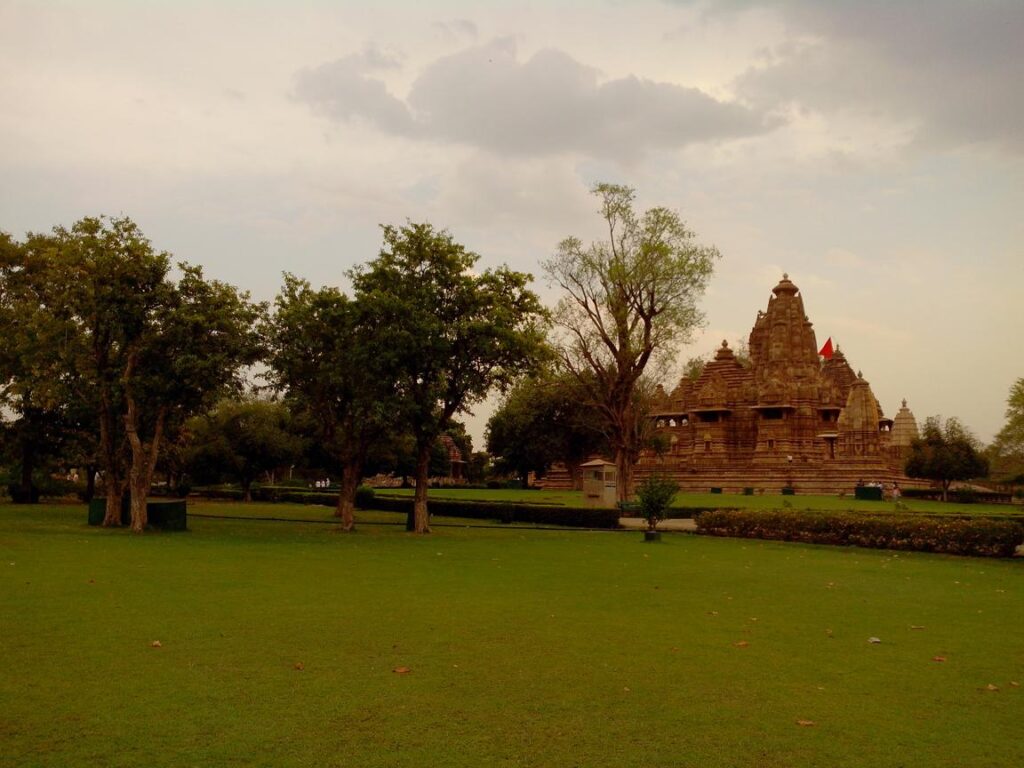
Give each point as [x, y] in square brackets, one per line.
[544, 419]
[1008, 447]
[326, 355]
[453, 334]
[145, 351]
[242, 439]
[944, 453]
[627, 300]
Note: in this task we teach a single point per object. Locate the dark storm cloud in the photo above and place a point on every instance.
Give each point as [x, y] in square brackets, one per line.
[484, 96]
[950, 69]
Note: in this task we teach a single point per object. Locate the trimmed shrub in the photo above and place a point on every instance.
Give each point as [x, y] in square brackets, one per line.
[506, 512]
[166, 515]
[364, 497]
[220, 494]
[950, 535]
[960, 496]
[21, 496]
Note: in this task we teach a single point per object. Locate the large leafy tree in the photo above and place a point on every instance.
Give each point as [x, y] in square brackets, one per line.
[944, 453]
[628, 300]
[452, 335]
[150, 351]
[243, 439]
[326, 357]
[543, 419]
[33, 388]
[199, 340]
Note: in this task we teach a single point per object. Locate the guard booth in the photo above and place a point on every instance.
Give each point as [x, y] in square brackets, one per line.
[600, 484]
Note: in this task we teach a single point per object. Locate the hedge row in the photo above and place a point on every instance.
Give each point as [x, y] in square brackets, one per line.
[960, 496]
[956, 536]
[506, 512]
[272, 494]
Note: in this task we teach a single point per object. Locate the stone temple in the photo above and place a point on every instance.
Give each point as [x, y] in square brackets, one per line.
[785, 418]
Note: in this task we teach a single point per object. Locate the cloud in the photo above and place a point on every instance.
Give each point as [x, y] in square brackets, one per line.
[343, 90]
[456, 30]
[949, 69]
[485, 97]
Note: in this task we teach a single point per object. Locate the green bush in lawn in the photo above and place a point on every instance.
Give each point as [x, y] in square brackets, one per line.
[955, 536]
[654, 495]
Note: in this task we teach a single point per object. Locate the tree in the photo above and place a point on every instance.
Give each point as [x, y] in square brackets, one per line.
[1007, 450]
[326, 353]
[243, 439]
[542, 420]
[628, 300]
[452, 335]
[150, 351]
[192, 352]
[945, 453]
[35, 385]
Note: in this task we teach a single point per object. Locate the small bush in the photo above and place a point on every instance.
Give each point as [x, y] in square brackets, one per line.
[955, 536]
[654, 495]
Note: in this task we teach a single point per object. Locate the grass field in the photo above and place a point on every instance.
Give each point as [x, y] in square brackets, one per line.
[713, 500]
[525, 648]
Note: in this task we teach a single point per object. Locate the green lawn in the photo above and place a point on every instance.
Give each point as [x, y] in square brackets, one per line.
[526, 648]
[712, 500]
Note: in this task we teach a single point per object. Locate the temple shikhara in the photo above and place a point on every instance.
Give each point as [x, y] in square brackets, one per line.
[785, 418]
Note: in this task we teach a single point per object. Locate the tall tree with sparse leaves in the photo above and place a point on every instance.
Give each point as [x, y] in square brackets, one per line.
[628, 299]
[452, 335]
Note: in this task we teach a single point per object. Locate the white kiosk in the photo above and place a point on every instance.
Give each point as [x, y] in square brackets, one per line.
[599, 483]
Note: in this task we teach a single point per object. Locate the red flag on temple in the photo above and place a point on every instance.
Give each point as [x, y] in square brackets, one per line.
[826, 350]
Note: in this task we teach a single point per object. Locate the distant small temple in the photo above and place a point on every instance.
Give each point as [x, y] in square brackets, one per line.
[785, 418]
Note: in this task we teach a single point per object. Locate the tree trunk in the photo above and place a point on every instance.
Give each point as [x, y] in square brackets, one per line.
[419, 520]
[350, 473]
[113, 480]
[90, 482]
[28, 465]
[945, 489]
[624, 475]
[246, 490]
[143, 462]
[575, 476]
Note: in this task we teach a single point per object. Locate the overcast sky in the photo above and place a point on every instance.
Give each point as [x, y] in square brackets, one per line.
[873, 150]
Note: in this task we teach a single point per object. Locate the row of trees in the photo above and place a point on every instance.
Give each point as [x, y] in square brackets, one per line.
[111, 351]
